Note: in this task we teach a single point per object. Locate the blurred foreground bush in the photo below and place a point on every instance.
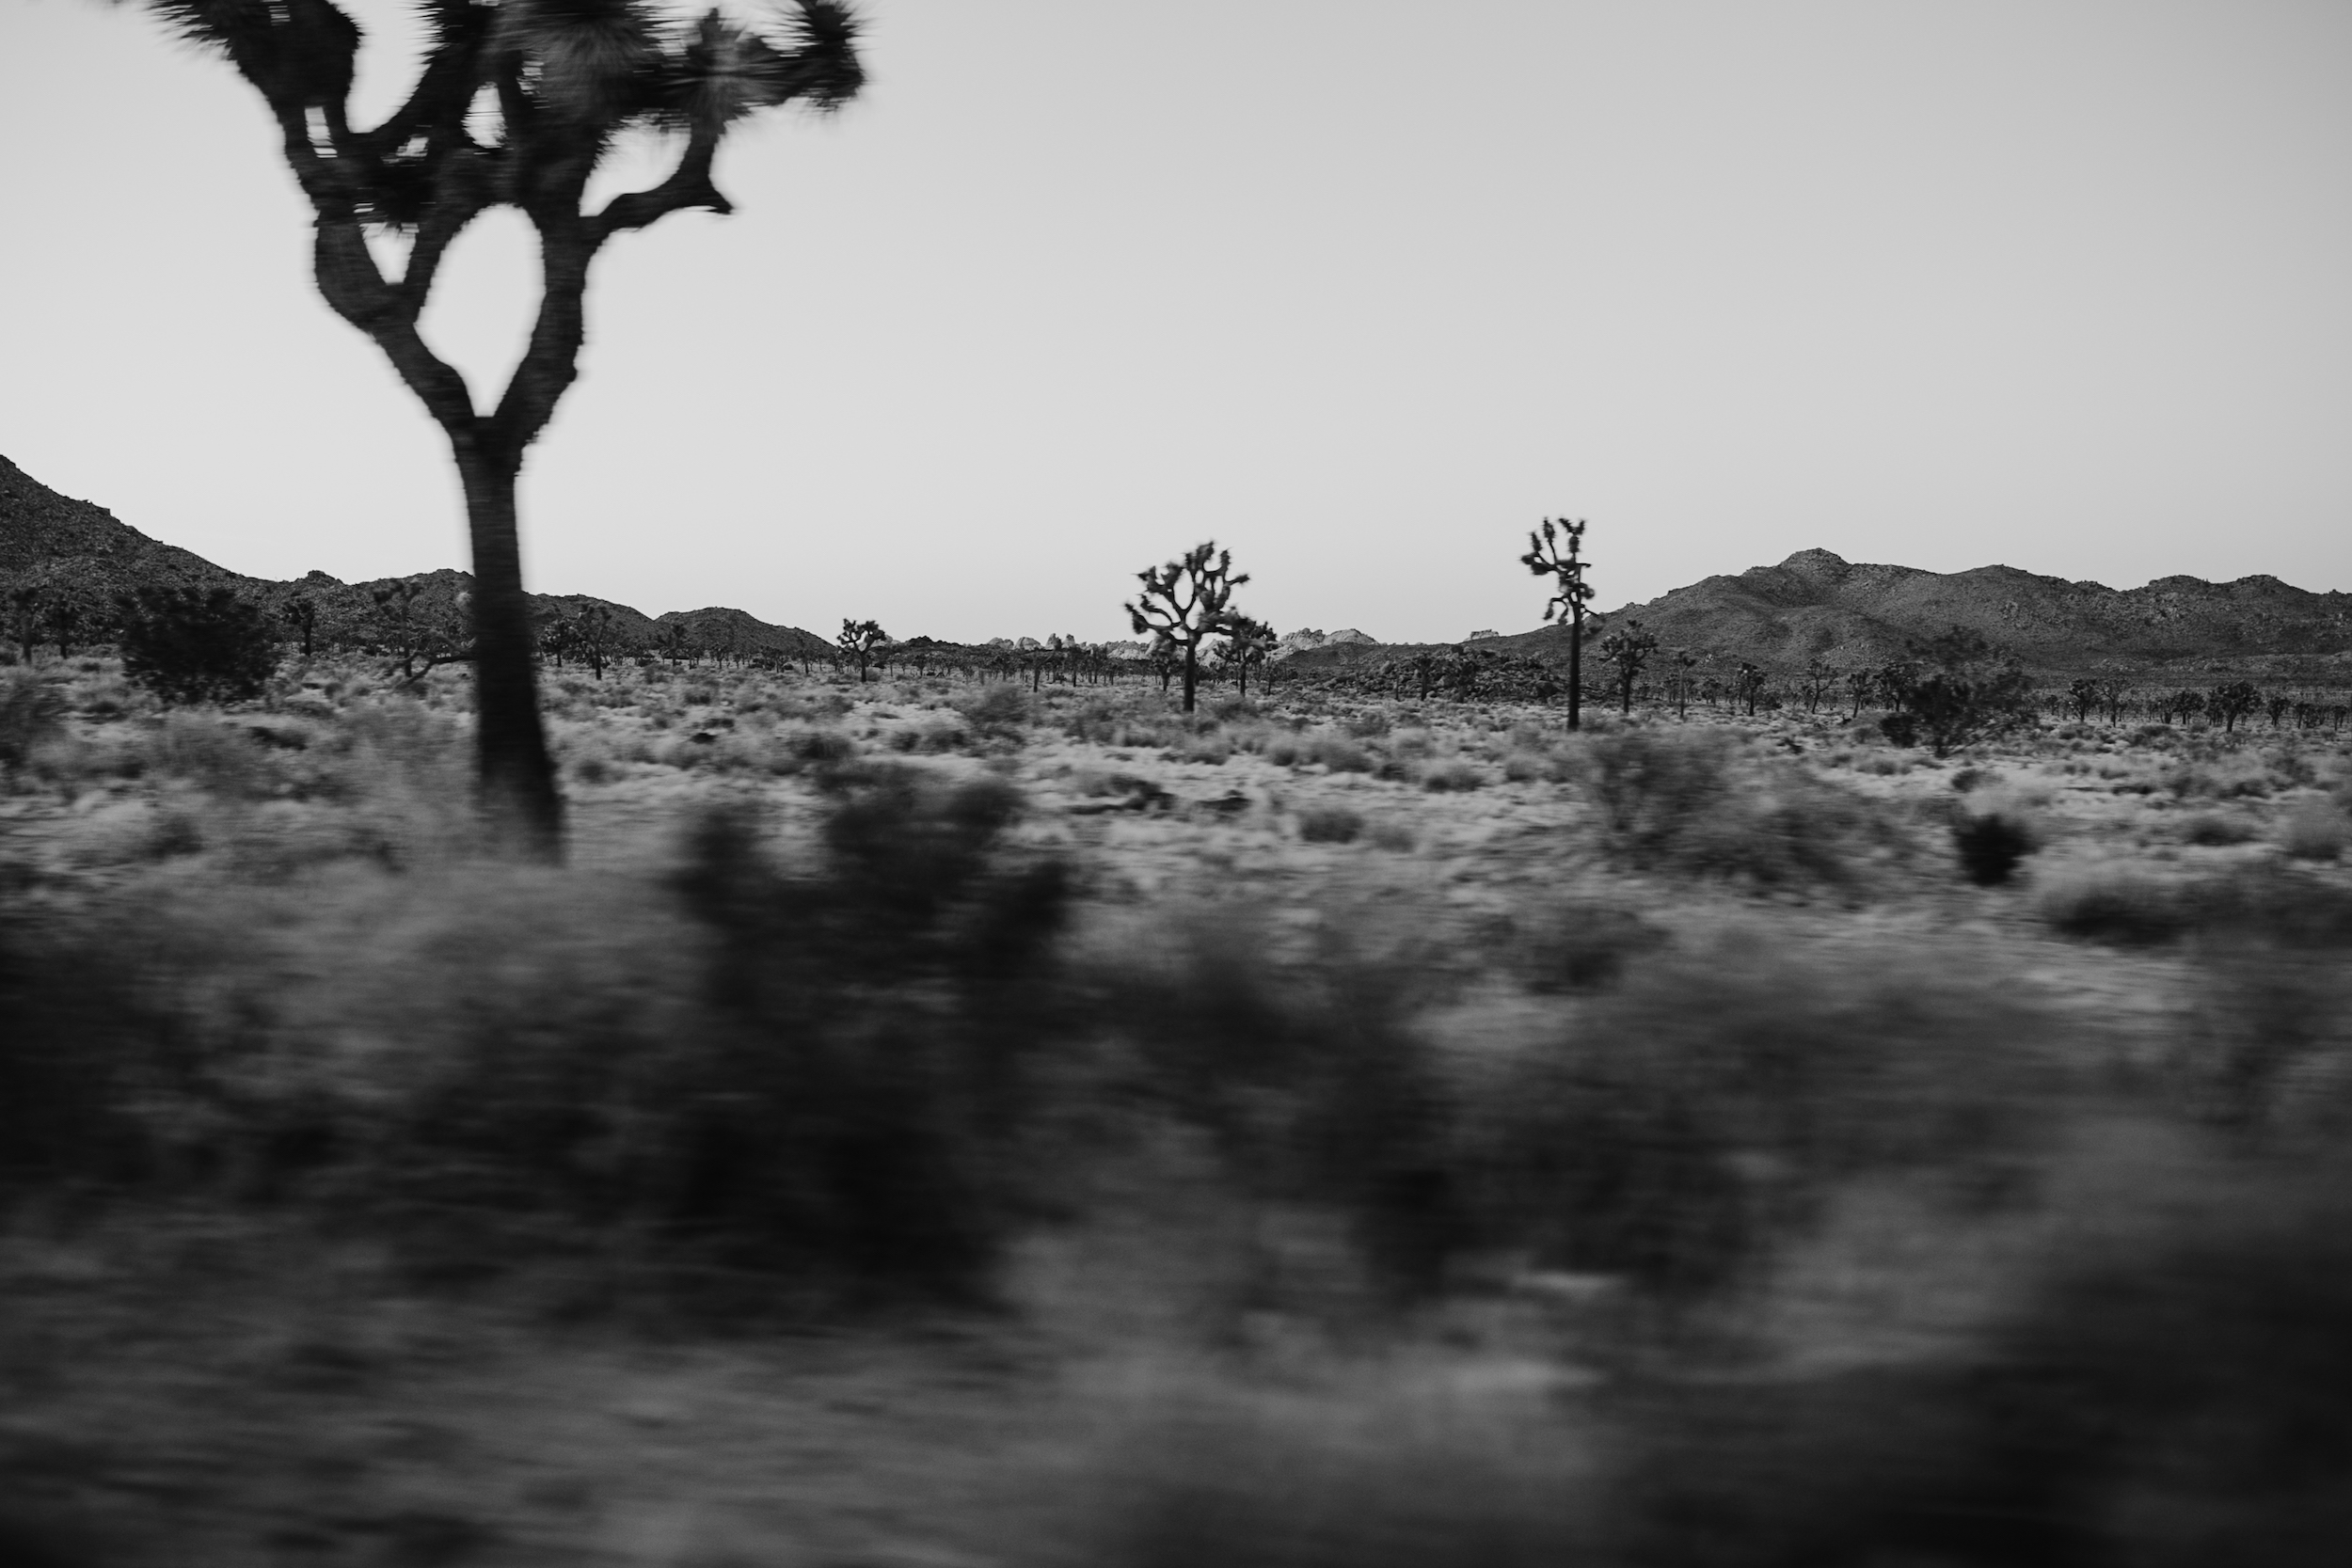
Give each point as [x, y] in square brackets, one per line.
[1690, 801]
[809, 1078]
[191, 646]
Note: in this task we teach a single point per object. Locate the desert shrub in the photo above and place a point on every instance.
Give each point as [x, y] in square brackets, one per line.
[2113, 903]
[1000, 711]
[31, 712]
[2172, 1392]
[191, 646]
[1369, 724]
[2212, 828]
[1699, 1115]
[814, 1077]
[1355, 1475]
[1454, 776]
[1992, 845]
[1682, 800]
[1576, 945]
[1307, 1080]
[1338, 754]
[1523, 767]
[1393, 836]
[1330, 825]
[2316, 830]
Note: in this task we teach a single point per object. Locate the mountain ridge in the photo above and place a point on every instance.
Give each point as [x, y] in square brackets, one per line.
[1813, 604]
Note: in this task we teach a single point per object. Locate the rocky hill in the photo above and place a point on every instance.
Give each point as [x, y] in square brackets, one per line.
[1817, 605]
[77, 544]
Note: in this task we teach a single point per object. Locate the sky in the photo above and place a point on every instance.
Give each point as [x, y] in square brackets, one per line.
[1361, 290]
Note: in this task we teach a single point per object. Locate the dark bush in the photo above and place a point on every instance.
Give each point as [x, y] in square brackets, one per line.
[2174, 1397]
[1696, 1116]
[1991, 847]
[192, 647]
[30, 713]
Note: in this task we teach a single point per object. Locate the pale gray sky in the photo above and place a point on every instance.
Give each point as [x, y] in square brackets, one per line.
[1362, 290]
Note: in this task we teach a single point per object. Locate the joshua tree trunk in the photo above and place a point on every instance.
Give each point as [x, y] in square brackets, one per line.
[1576, 671]
[1192, 673]
[517, 777]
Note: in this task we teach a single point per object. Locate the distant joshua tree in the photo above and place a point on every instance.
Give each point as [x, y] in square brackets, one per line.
[1682, 678]
[1860, 686]
[1819, 680]
[1570, 595]
[301, 616]
[1249, 643]
[859, 641]
[516, 104]
[2231, 703]
[1185, 603]
[1628, 650]
[416, 631]
[1954, 689]
[1747, 685]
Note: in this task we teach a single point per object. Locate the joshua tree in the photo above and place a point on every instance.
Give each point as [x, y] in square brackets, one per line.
[1248, 642]
[1185, 604]
[2232, 703]
[858, 641]
[1571, 594]
[2275, 706]
[1747, 685]
[516, 106]
[1953, 689]
[416, 631]
[302, 618]
[1817, 682]
[1860, 686]
[2082, 697]
[1628, 650]
[1682, 677]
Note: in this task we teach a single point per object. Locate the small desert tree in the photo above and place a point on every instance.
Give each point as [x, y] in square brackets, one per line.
[516, 104]
[416, 629]
[858, 641]
[1956, 689]
[1860, 686]
[2231, 703]
[1247, 645]
[1185, 603]
[1628, 650]
[1682, 678]
[1819, 680]
[1570, 595]
[301, 617]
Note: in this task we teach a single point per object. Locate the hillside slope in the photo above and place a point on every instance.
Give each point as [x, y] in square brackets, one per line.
[44, 533]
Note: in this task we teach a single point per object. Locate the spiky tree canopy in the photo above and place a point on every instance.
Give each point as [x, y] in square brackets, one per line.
[514, 105]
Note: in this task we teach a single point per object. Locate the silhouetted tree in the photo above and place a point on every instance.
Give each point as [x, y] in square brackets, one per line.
[301, 617]
[1860, 686]
[2231, 703]
[1185, 603]
[2082, 697]
[1247, 644]
[2274, 707]
[192, 645]
[1570, 595]
[516, 106]
[1682, 678]
[1816, 683]
[858, 641]
[1955, 689]
[1747, 685]
[416, 628]
[1628, 650]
